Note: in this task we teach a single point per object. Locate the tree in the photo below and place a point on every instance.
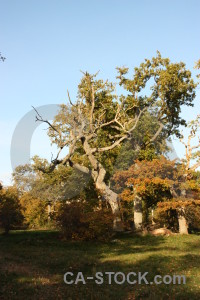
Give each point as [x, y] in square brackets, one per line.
[180, 205]
[138, 147]
[10, 209]
[1, 57]
[159, 183]
[190, 163]
[146, 183]
[100, 121]
[41, 193]
[24, 177]
[192, 147]
[34, 211]
[197, 66]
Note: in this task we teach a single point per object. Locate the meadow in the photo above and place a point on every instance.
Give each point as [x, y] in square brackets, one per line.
[33, 263]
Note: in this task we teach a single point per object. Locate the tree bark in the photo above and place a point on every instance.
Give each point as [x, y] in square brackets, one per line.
[98, 174]
[49, 211]
[183, 226]
[138, 212]
[112, 199]
[183, 193]
[152, 217]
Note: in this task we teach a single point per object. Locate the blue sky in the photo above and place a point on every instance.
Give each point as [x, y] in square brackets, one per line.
[47, 43]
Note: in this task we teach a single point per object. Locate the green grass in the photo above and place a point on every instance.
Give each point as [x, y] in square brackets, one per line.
[32, 265]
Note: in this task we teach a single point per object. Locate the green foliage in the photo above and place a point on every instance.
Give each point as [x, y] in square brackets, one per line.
[139, 145]
[24, 178]
[94, 128]
[154, 96]
[171, 85]
[40, 190]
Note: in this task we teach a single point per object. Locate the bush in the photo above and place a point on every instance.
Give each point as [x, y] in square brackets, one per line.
[10, 209]
[78, 223]
[193, 217]
[34, 211]
[167, 218]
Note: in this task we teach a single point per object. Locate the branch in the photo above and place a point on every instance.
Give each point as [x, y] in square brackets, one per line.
[70, 99]
[40, 119]
[92, 110]
[195, 166]
[79, 167]
[157, 133]
[111, 146]
[137, 120]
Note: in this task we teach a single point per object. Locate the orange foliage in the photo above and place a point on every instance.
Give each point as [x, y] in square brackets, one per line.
[145, 177]
[177, 203]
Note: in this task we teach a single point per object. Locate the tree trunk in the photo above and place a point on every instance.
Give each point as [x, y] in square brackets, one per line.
[98, 174]
[183, 226]
[183, 193]
[112, 198]
[49, 211]
[138, 212]
[152, 217]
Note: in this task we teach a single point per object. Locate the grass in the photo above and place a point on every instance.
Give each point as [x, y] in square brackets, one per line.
[32, 265]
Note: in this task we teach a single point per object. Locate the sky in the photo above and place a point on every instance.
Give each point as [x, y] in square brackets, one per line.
[46, 44]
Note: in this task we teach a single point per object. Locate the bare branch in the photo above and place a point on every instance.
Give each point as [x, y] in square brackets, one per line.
[157, 133]
[116, 143]
[195, 166]
[92, 110]
[137, 120]
[40, 119]
[70, 99]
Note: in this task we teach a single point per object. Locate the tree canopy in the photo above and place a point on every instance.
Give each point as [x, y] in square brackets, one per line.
[100, 121]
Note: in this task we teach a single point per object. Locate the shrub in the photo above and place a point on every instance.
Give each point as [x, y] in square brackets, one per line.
[193, 217]
[34, 211]
[78, 223]
[10, 209]
[167, 218]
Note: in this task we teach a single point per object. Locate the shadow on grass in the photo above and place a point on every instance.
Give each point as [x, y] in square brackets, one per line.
[32, 265]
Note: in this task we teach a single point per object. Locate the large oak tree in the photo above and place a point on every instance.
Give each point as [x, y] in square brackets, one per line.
[100, 120]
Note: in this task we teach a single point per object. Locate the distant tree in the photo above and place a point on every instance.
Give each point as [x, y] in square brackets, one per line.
[10, 209]
[139, 147]
[25, 177]
[34, 211]
[1, 57]
[191, 143]
[159, 183]
[197, 66]
[41, 193]
[187, 211]
[190, 164]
